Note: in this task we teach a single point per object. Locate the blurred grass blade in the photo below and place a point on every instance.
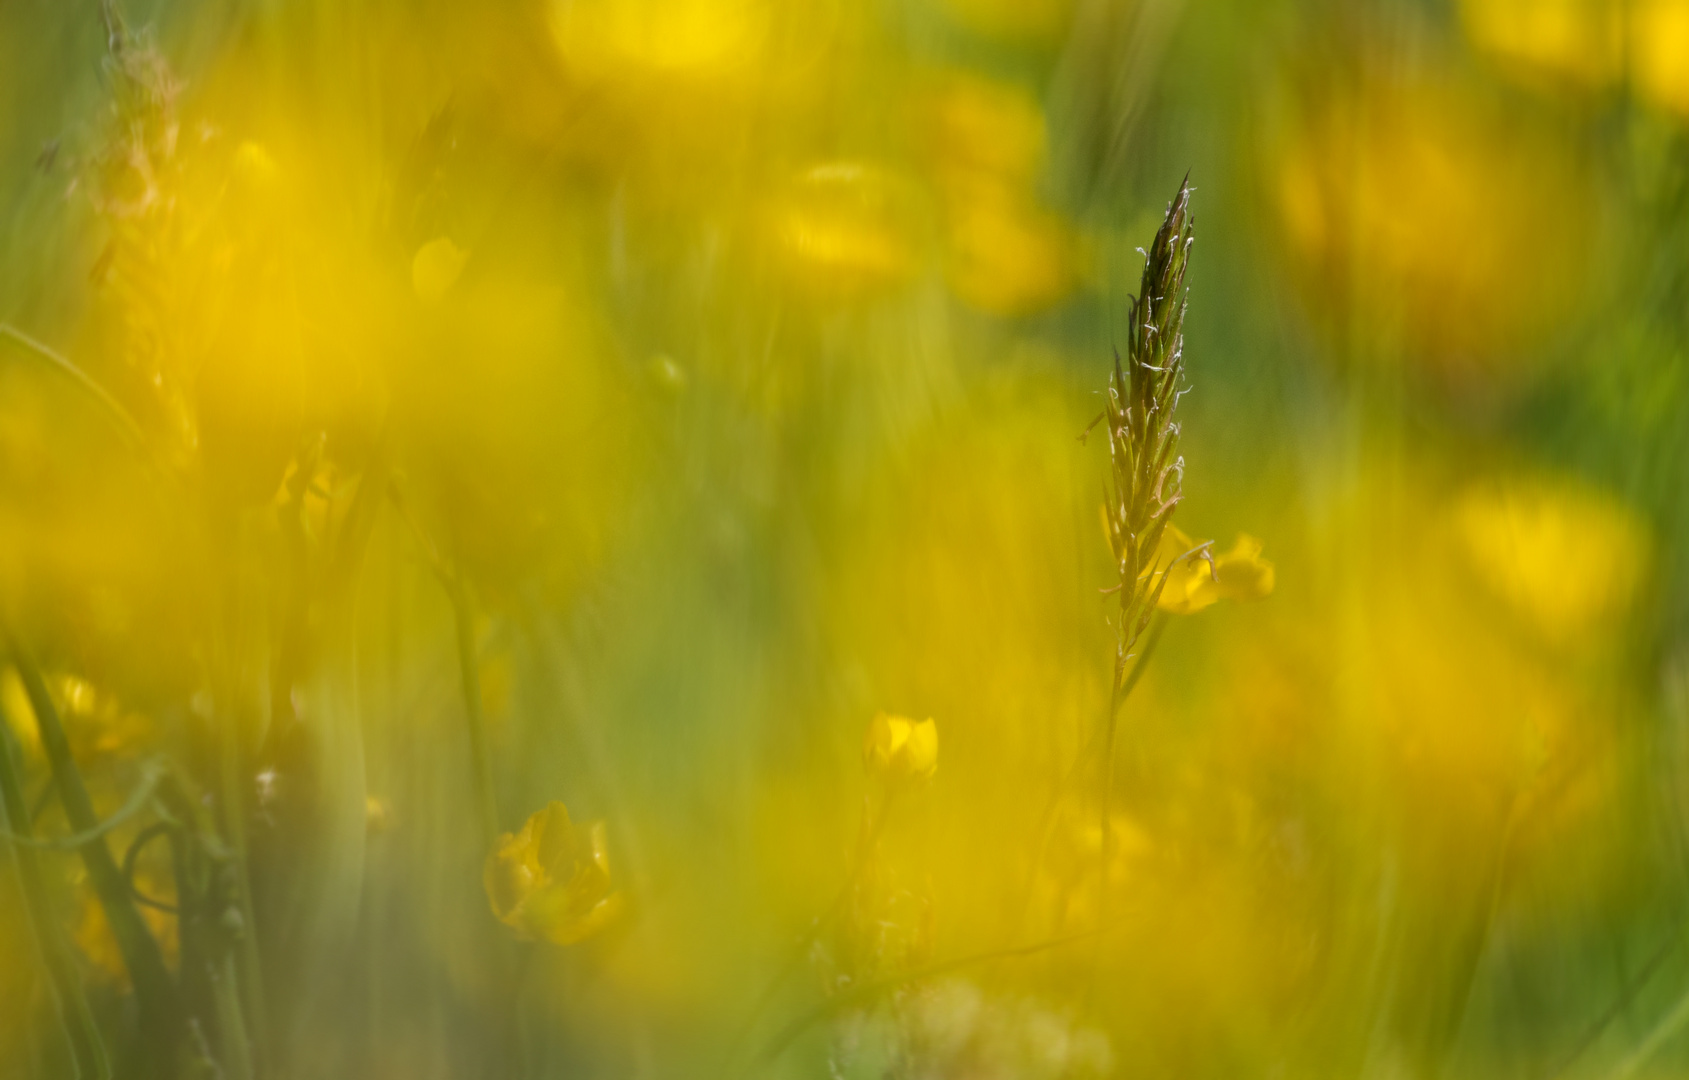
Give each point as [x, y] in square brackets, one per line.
[154, 990]
[88, 1050]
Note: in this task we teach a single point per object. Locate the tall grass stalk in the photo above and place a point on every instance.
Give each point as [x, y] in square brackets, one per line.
[82, 1035]
[154, 991]
[1146, 477]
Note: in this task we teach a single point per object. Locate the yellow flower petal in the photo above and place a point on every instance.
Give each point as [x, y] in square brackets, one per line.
[436, 267]
[551, 881]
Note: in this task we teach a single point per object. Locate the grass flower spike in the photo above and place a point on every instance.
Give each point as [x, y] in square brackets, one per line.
[551, 881]
[1143, 438]
[1196, 578]
[899, 747]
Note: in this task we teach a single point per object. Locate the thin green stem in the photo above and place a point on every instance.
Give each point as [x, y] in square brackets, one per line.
[115, 412]
[872, 826]
[1117, 698]
[470, 668]
[863, 993]
[463, 616]
[240, 977]
[154, 991]
[1048, 820]
[87, 1050]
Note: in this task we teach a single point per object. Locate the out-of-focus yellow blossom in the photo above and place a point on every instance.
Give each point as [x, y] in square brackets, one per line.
[1576, 39]
[1659, 50]
[637, 40]
[845, 227]
[551, 881]
[1008, 256]
[1418, 216]
[973, 126]
[1587, 42]
[92, 933]
[20, 715]
[378, 814]
[896, 746]
[1564, 556]
[1031, 21]
[1006, 253]
[1068, 884]
[436, 267]
[1196, 579]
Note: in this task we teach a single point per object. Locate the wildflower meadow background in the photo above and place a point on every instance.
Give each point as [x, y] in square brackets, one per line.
[979, 539]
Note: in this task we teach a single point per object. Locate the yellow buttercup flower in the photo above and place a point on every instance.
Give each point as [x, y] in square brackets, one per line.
[551, 881]
[899, 747]
[1567, 558]
[1590, 45]
[1196, 578]
[436, 267]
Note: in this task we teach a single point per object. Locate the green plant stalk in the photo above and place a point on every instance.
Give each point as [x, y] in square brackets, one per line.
[873, 825]
[234, 1043]
[155, 993]
[468, 664]
[246, 977]
[201, 859]
[246, 974]
[87, 1050]
[1120, 690]
[463, 618]
[867, 992]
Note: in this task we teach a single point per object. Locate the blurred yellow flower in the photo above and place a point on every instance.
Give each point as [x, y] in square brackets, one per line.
[844, 226]
[1006, 253]
[93, 935]
[1565, 557]
[551, 881]
[1008, 256]
[1659, 50]
[974, 126]
[638, 40]
[1376, 187]
[1587, 42]
[436, 267]
[20, 715]
[1196, 579]
[1574, 39]
[899, 747]
[1016, 20]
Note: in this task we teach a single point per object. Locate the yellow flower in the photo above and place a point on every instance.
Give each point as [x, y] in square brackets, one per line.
[1590, 44]
[551, 881]
[846, 227]
[1196, 579]
[1568, 558]
[436, 267]
[898, 746]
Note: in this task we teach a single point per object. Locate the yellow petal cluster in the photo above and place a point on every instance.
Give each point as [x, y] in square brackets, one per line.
[1567, 558]
[435, 269]
[1195, 579]
[1593, 45]
[551, 881]
[897, 746]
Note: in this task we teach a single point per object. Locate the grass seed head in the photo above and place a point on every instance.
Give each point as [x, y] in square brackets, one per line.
[1144, 389]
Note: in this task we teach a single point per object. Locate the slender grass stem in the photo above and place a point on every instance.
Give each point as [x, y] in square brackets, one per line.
[244, 1037]
[1117, 698]
[136, 803]
[1047, 821]
[87, 1049]
[154, 991]
[872, 827]
[119, 416]
[863, 993]
[469, 666]
[463, 617]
